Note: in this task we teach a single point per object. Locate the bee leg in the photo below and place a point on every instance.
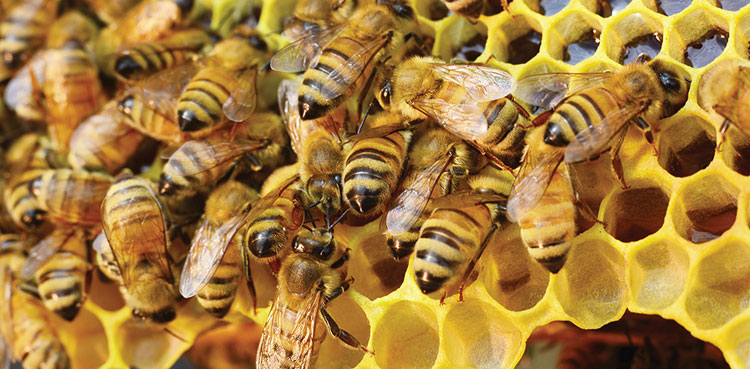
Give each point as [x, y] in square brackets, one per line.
[341, 334]
[249, 278]
[340, 262]
[418, 40]
[343, 287]
[473, 261]
[614, 153]
[585, 209]
[540, 119]
[647, 133]
[442, 299]
[722, 133]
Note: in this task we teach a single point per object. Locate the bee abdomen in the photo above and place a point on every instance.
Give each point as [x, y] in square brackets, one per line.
[370, 175]
[506, 133]
[266, 235]
[62, 283]
[200, 105]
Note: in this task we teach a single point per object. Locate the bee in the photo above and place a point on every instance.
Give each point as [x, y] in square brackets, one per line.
[20, 94]
[210, 272]
[24, 29]
[437, 161]
[135, 225]
[12, 251]
[373, 167]
[72, 25]
[25, 210]
[29, 151]
[26, 329]
[103, 142]
[309, 278]
[59, 266]
[105, 260]
[338, 61]
[467, 100]
[138, 60]
[312, 15]
[727, 84]
[71, 196]
[458, 230]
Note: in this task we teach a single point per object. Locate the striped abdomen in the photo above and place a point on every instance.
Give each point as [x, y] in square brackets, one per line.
[448, 240]
[24, 29]
[318, 92]
[548, 228]
[36, 345]
[467, 8]
[148, 121]
[506, 132]
[290, 343]
[23, 207]
[62, 279]
[372, 170]
[195, 165]
[142, 59]
[267, 234]
[201, 104]
[217, 296]
[579, 112]
[71, 196]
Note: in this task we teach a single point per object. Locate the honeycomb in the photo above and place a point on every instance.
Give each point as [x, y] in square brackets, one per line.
[675, 243]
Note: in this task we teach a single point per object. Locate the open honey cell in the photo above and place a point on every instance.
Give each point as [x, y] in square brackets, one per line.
[706, 207]
[687, 144]
[638, 33]
[466, 38]
[406, 336]
[738, 343]
[472, 48]
[591, 287]
[635, 213]
[736, 151]
[720, 286]
[431, 9]
[236, 344]
[349, 317]
[574, 38]
[477, 335]
[699, 36]
[373, 268]
[658, 273]
[148, 346]
[518, 39]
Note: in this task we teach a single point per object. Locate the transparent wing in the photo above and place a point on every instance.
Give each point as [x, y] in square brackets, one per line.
[100, 244]
[597, 138]
[241, 102]
[271, 353]
[303, 53]
[221, 152]
[43, 251]
[467, 198]
[532, 181]
[377, 132]
[547, 90]
[481, 82]
[202, 260]
[288, 105]
[465, 121]
[161, 90]
[408, 206]
[304, 329]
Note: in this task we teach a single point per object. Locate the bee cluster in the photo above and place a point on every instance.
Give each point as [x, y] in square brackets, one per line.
[198, 160]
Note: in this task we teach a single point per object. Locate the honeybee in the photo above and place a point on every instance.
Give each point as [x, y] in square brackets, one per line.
[312, 15]
[12, 251]
[29, 151]
[71, 196]
[592, 118]
[73, 25]
[465, 99]
[110, 10]
[24, 29]
[23, 207]
[212, 272]
[20, 95]
[135, 225]
[455, 235]
[103, 142]
[59, 266]
[727, 86]
[437, 161]
[105, 260]
[309, 278]
[373, 167]
[339, 60]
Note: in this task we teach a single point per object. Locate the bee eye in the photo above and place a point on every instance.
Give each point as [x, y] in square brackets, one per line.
[296, 247]
[669, 81]
[337, 178]
[385, 95]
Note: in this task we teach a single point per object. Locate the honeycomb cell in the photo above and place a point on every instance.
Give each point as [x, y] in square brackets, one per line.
[574, 37]
[705, 209]
[458, 32]
[551, 7]
[608, 8]
[373, 268]
[518, 39]
[406, 336]
[635, 213]
[658, 273]
[105, 294]
[472, 48]
[631, 35]
[687, 144]
[736, 151]
[350, 317]
[720, 286]
[736, 342]
[90, 349]
[671, 7]
[477, 335]
[591, 286]
[742, 34]
[511, 277]
[431, 9]
[148, 346]
[698, 37]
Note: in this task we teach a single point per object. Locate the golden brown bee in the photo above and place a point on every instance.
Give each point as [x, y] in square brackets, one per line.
[73, 25]
[59, 266]
[309, 278]
[437, 162]
[727, 87]
[29, 151]
[25, 210]
[339, 60]
[110, 10]
[24, 29]
[468, 100]
[135, 224]
[211, 271]
[12, 251]
[310, 16]
[71, 196]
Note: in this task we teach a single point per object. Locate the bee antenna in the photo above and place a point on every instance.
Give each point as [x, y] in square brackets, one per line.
[314, 204]
[307, 227]
[367, 112]
[338, 220]
[328, 217]
[310, 218]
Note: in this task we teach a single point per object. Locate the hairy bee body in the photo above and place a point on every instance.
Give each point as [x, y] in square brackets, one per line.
[141, 59]
[200, 105]
[71, 196]
[24, 29]
[25, 210]
[149, 121]
[36, 344]
[12, 251]
[506, 133]
[321, 162]
[200, 159]
[62, 279]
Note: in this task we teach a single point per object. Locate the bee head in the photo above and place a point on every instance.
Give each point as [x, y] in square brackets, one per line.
[317, 242]
[325, 189]
[401, 8]
[675, 83]
[384, 97]
[33, 218]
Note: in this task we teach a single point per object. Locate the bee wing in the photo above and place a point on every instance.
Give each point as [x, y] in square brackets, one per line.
[468, 198]
[481, 82]
[304, 327]
[202, 260]
[408, 206]
[241, 102]
[596, 138]
[271, 355]
[41, 252]
[161, 90]
[532, 181]
[100, 244]
[288, 105]
[547, 90]
[303, 53]
[465, 121]
[377, 132]
[221, 152]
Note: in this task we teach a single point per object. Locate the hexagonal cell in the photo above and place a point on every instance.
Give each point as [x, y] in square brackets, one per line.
[145, 345]
[373, 268]
[230, 346]
[738, 343]
[476, 335]
[698, 37]
[406, 336]
[608, 8]
[350, 317]
[547, 7]
[736, 151]
[632, 35]
[733, 5]
[742, 35]
[720, 286]
[591, 287]
[574, 38]
[471, 49]
[671, 7]
[687, 144]
[705, 209]
[511, 276]
[658, 273]
[460, 35]
[635, 213]
[86, 331]
[518, 39]
[431, 9]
